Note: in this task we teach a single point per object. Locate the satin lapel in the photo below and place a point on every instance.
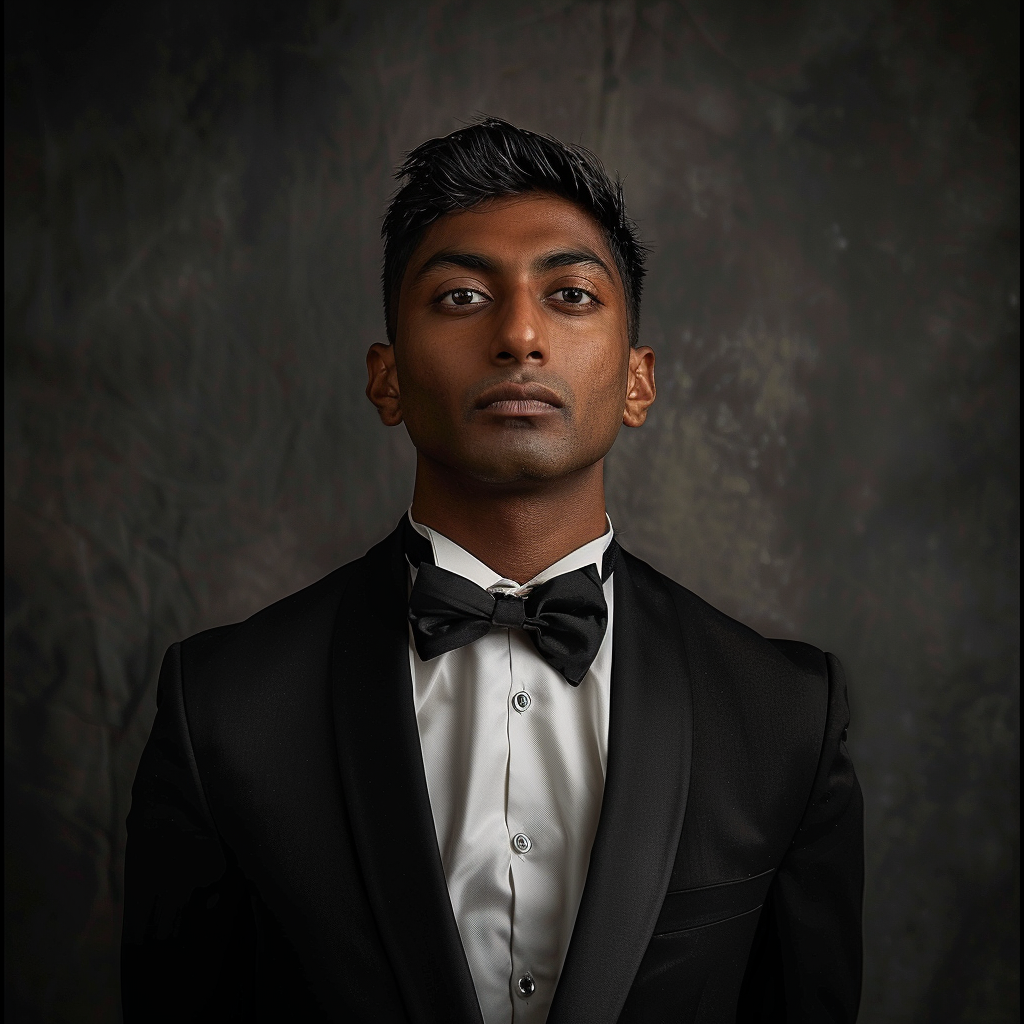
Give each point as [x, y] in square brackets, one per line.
[650, 736]
[386, 792]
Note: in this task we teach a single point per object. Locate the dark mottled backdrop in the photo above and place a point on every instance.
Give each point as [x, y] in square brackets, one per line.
[192, 203]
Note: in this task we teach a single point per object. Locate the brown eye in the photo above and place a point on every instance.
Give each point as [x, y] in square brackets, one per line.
[574, 296]
[463, 297]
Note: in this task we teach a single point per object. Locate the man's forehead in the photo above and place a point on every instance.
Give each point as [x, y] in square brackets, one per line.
[516, 224]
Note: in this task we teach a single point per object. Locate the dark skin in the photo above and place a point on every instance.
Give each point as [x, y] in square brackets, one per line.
[512, 372]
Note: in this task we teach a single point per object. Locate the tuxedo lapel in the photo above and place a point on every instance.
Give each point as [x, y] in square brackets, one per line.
[649, 747]
[386, 792]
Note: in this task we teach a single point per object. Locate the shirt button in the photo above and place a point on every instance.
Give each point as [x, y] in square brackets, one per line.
[523, 844]
[521, 701]
[525, 986]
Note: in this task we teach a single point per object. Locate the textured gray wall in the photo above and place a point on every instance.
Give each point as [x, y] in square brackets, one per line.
[193, 194]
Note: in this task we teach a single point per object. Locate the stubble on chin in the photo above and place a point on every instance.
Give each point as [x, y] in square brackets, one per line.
[524, 456]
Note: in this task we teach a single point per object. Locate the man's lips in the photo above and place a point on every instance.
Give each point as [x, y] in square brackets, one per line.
[519, 400]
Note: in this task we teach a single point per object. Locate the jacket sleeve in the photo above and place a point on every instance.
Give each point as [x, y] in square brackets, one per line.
[807, 957]
[188, 934]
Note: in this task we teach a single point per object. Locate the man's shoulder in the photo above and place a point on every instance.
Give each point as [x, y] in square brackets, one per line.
[712, 635]
[292, 634]
[764, 701]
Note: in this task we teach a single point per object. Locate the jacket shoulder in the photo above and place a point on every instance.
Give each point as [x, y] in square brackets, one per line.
[275, 655]
[270, 627]
[718, 635]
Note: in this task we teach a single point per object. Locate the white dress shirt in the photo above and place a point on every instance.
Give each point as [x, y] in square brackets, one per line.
[515, 763]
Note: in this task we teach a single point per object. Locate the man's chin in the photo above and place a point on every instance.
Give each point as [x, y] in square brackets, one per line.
[521, 465]
[513, 458]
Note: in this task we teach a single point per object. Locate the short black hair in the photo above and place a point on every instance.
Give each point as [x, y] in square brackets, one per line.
[493, 159]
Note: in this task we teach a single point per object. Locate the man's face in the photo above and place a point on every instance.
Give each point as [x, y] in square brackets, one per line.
[511, 362]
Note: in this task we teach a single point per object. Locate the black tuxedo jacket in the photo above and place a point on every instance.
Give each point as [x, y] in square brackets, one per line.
[282, 862]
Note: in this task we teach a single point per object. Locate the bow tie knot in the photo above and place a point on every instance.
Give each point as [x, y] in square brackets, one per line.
[509, 610]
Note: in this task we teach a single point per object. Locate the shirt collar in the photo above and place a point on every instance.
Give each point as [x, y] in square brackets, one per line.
[449, 555]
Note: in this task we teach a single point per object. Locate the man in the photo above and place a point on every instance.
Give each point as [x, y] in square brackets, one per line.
[498, 769]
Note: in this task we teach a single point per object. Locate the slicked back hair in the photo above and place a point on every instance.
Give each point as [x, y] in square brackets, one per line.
[493, 159]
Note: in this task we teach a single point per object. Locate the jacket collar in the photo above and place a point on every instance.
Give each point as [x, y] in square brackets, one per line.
[649, 750]
[386, 793]
[650, 741]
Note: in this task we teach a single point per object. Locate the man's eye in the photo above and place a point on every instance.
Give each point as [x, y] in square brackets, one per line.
[575, 296]
[463, 297]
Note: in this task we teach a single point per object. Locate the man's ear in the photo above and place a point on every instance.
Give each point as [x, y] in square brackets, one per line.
[382, 383]
[640, 389]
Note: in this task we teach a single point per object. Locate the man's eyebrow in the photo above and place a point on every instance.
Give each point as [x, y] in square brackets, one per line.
[571, 258]
[462, 260]
[450, 258]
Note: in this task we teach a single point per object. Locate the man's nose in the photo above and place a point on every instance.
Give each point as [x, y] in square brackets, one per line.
[520, 336]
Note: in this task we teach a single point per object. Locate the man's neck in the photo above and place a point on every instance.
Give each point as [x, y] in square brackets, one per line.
[517, 531]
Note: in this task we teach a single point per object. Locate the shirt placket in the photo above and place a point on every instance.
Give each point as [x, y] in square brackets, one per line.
[530, 838]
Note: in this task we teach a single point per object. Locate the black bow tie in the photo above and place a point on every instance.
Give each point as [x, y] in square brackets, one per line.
[565, 617]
